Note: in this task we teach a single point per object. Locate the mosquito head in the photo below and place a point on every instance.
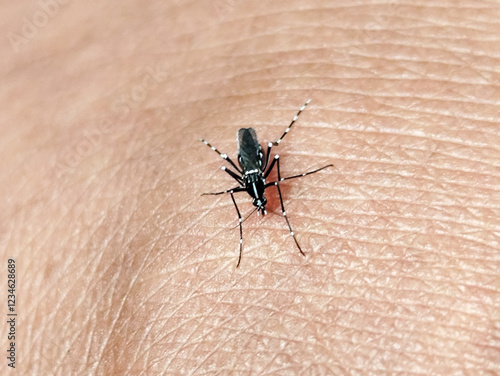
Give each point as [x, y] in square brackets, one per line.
[260, 204]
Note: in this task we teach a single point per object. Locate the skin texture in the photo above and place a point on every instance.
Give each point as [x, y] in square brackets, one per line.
[123, 268]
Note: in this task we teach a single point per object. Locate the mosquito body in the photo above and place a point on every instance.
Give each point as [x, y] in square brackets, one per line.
[253, 170]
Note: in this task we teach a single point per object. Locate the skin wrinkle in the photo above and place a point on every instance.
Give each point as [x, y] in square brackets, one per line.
[143, 264]
[230, 318]
[92, 311]
[41, 297]
[400, 267]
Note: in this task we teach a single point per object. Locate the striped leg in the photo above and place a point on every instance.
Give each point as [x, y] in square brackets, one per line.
[233, 175]
[293, 121]
[296, 176]
[241, 228]
[222, 155]
[268, 156]
[276, 183]
[232, 190]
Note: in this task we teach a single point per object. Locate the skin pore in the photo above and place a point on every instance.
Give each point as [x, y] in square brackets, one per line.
[124, 268]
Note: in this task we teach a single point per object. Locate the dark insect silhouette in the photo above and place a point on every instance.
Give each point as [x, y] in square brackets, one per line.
[253, 172]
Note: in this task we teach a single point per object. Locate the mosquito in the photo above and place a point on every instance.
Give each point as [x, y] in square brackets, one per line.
[253, 170]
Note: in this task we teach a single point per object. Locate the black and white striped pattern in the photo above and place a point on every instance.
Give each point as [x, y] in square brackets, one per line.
[293, 121]
[253, 172]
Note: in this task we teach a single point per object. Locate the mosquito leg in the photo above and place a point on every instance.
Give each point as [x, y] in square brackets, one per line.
[232, 174]
[266, 174]
[293, 121]
[236, 189]
[297, 176]
[283, 207]
[248, 216]
[241, 228]
[222, 155]
[268, 156]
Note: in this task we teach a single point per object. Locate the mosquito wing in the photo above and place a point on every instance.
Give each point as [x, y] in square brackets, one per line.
[249, 150]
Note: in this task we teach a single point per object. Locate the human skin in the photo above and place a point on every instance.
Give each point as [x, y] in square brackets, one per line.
[124, 268]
